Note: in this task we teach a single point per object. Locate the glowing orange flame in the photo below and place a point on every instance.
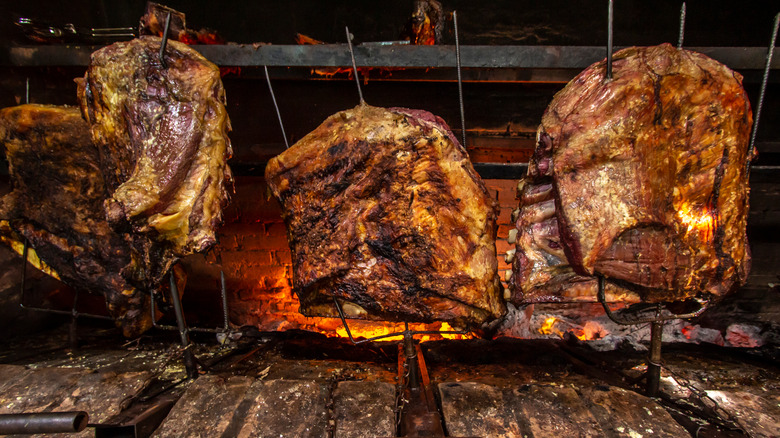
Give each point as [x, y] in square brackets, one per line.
[278, 310]
[548, 327]
[373, 329]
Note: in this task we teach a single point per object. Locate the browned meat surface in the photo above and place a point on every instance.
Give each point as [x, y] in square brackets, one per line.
[57, 205]
[162, 137]
[385, 212]
[642, 179]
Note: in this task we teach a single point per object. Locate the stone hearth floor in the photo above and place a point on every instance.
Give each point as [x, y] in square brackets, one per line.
[298, 384]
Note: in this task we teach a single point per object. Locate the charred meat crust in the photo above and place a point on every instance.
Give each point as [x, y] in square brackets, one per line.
[649, 178]
[385, 211]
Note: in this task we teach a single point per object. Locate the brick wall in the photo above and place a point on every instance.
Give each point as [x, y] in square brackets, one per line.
[254, 255]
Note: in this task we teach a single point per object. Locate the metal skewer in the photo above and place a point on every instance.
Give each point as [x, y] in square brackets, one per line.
[354, 65]
[682, 26]
[460, 79]
[27, 92]
[764, 82]
[279, 114]
[609, 41]
[164, 42]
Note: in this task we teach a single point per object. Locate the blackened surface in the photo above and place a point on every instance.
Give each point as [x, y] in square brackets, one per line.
[57, 205]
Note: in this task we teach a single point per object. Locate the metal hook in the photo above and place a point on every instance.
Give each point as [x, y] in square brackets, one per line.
[609, 41]
[659, 317]
[764, 82]
[354, 65]
[278, 114]
[460, 79]
[164, 42]
[682, 26]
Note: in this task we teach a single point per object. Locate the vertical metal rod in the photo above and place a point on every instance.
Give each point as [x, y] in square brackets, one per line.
[682, 27]
[654, 362]
[278, 114]
[223, 291]
[354, 65]
[164, 41]
[73, 335]
[609, 41]
[27, 92]
[189, 359]
[343, 320]
[410, 351]
[764, 82]
[25, 250]
[460, 78]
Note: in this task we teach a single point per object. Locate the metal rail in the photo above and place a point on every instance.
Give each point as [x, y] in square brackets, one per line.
[405, 56]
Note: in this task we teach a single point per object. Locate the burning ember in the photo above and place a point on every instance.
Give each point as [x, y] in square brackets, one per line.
[590, 331]
[372, 329]
[548, 327]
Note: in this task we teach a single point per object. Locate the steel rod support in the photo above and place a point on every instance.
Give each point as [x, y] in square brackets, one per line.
[354, 65]
[609, 40]
[654, 362]
[164, 42]
[761, 95]
[225, 310]
[682, 26]
[278, 113]
[460, 79]
[410, 356]
[44, 422]
[189, 358]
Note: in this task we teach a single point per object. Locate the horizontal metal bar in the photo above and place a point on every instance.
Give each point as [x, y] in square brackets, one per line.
[337, 55]
[43, 422]
[503, 171]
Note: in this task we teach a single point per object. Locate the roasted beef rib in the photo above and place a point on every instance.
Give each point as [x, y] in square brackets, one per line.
[162, 136]
[385, 212]
[641, 179]
[57, 205]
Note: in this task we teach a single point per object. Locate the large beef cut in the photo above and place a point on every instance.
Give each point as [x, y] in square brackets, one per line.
[57, 205]
[161, 131]
[385, 212]
[641, 179]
